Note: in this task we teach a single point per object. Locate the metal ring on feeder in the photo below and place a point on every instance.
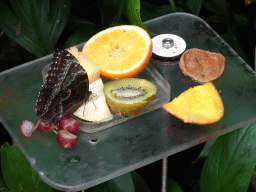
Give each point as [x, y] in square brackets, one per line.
[168, 47]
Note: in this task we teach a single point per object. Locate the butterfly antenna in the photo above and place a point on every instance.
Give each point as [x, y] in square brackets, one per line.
[90, 93]
[93, 96]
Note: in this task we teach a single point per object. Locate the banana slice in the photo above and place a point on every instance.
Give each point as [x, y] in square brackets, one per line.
[96, 108]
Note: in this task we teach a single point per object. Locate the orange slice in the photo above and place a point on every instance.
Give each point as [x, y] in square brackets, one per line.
[121, 51]
[199, 105]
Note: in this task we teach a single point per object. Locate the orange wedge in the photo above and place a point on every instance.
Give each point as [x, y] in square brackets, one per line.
[121, 52]
[198, 105]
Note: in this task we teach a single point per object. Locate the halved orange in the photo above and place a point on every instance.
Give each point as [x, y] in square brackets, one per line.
[121, 52]
[201, 104]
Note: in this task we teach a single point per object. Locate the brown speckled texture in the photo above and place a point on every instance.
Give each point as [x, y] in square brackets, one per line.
[202, 66]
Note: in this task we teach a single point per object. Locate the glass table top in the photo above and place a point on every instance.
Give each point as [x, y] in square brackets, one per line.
[104, 155]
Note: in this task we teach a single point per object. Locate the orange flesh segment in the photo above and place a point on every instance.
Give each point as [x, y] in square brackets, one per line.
[120, 51]
[114, 51]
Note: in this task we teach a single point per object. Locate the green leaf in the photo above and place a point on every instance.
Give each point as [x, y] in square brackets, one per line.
[3, 187]
[133, 12]
[36, 25]
[195, 6]
[139, 184]
[231, 162]
[18, 173]
[123, 183]
[206, 149]
[173, 6]
[231, 39]
[241, 20]
[86, 29]
[216, 6]
[111, 12]
[149, 11]
[173, 186]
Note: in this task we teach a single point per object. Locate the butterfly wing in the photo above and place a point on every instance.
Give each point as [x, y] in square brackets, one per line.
[65, 89]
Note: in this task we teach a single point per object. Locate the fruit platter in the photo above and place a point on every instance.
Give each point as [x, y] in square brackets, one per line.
[98, 117]
[104, 150]
[98, 91]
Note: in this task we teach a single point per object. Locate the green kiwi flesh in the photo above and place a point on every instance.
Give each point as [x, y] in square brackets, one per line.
[129, 96]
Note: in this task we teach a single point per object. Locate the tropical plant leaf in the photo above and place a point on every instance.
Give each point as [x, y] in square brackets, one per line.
[3, 187]
[173, 186]
[139, 184]
[85, 30]
[111, 12]
[18, 173]
[35, 25]
[195, 6]
[216, 6]
[123, 183]
[231, 162]
[231, 39]
[133, 12]
[149, 11]
[173, 6]
[206, 149]
[223, 14]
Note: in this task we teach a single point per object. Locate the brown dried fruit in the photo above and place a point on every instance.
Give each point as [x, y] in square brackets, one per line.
[202, 66]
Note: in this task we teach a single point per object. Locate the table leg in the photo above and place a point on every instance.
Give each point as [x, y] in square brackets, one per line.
[164, 174]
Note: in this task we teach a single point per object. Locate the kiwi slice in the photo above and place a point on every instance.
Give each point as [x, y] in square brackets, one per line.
[129, 96]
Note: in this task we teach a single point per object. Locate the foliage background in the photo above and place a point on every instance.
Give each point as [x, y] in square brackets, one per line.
[233, 20]
[26, 36]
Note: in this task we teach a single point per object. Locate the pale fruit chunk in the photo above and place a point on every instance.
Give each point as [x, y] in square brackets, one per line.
[91, 68]
[95, 109]
[199, 105]
[27, 128]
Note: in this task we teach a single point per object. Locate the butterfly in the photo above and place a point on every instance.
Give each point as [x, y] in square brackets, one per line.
[65, 89]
